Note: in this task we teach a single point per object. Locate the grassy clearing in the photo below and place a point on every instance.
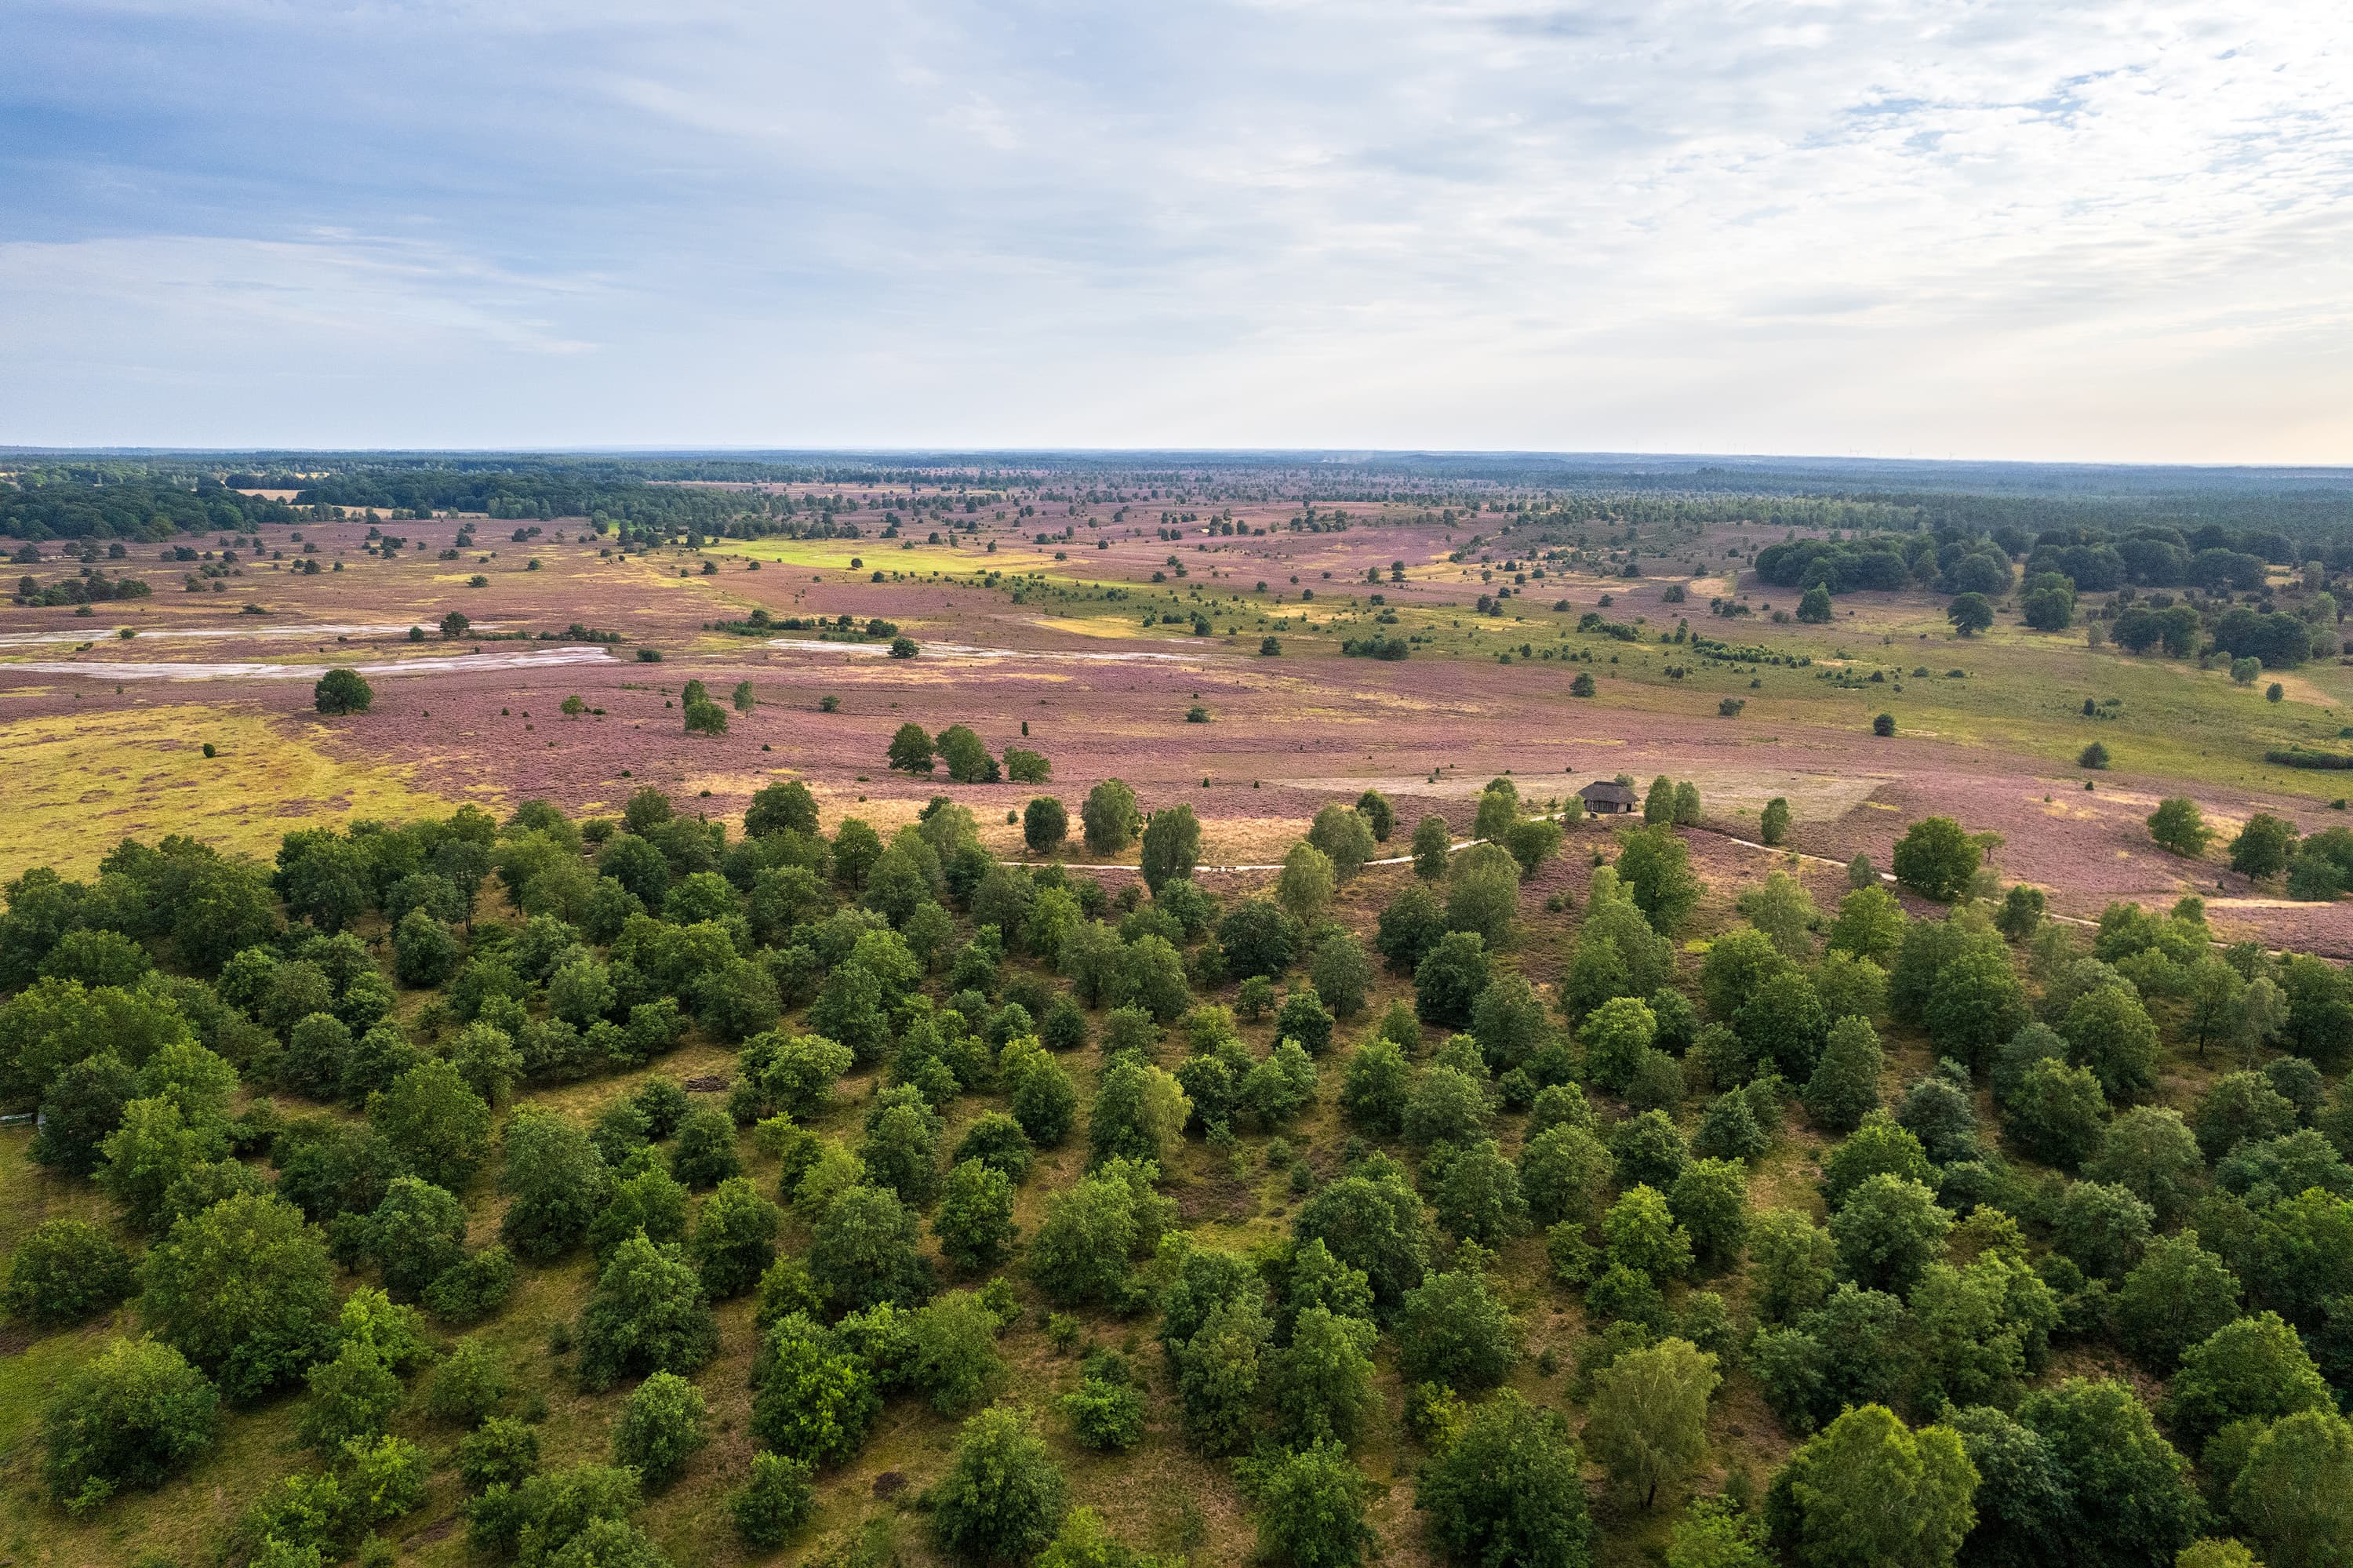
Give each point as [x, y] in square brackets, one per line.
[82, 781]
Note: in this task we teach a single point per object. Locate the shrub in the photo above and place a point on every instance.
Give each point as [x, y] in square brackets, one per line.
[660, 1428]
[129, 1417]
[469, 1385]
[65, 1271]
[774, 1501]
[1002, 1499]
[1508, 1490]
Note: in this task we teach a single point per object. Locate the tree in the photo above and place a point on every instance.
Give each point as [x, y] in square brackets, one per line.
[975, 1219]
[1814, 606]
[1109, 818]
[2264, 847]
[1323, 1379]
[1936, 859]
[1370, 1220]
[2179, 827]
[1453, 1331]
[2108, 1030]
[2150, 1152]
[788, 807]
[1483, 894]
[1044, 824]
[245, 1291]
[734, 1238]
[2294, 1497]
[1844, 1087]
[469, 1385]
[1305, 889]
[1868, 1492]
[129, 1416]
[65, 1271]
[1311, 1503]
[1655, 866]
[1344, 837]
[1792, 1257]
[1002, 1499]
[1507, 1490]
[1887, 1231]
[1970, 613]
[2250, 1368]
[1447, 982]
[1870, 923]
[660, 1428]
[1340, 974]
[1773, 826]
[555, 1181]
[1478, 1195]
[967, 755]
[2175, 1297]
[812, 1401]
[1647, 1420]
[1714, 1533]
[414, 1234]
[648, 1312]
[438, 1126]
[774, 1501]
[1433, 843]
[2122, 1472]
[342, 691]
[1172, 845]
[352, 1397]
[2058, 1115]
[1710, 1201]
[2021, 1500]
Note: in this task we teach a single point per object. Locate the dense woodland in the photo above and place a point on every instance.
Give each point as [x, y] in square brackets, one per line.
[2035, 1242]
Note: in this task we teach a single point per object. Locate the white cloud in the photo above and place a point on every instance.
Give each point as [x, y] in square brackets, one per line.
[1983, 226]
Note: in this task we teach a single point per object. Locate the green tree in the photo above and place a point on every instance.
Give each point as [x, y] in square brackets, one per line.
[1044, 824]
[865, 1252]
[2058, 1115]
[2264, 846]
[734, 1238]
[1814, 606]
[1447, 982]
[2150, 1152]
[1773, 825]
[245, 1291]
[1310, 1508]
[1172, 845]
[1887, 1231]
[1324, 1380]
[1433, 843]
[1305, 889]
[1970, 613]
[1002, 1499]
[63, 1272]
[2294, 1497]
[129, 1416]
[342, 691]
[2179, 826]
[1647, 1421]
[435, 1124]
[812, 1401]
[1110, 819]
[1453, 1331]
[647, 1313]
[1936, 859]
[1508, 1490]
[1715, 1533]
[2175, 1297]
[1655, 866]
[1792, 1257]
[663, 1424]
[2250, 1368]
[1871, 1493]
[1345, 839]
[1710, 1201]
[1844, 1087]
[554, 1180]
[975, 1219]
[2101, 1438]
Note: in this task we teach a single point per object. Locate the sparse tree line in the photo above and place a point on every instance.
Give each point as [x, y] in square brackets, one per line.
[291, 1145]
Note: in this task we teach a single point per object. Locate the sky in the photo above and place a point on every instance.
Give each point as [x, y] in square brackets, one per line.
[1977, 228]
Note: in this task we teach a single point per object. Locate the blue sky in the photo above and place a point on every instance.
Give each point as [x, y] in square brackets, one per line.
[1968, 228]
